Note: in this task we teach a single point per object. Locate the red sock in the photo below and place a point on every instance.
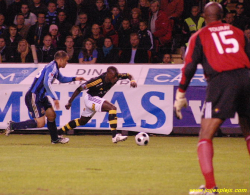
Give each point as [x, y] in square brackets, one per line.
[205, 155]
[248, 143]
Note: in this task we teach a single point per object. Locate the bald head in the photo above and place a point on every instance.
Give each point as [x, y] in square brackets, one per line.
[213, 12]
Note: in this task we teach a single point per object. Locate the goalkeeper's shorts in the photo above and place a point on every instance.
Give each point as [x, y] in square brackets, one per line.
[228, 93]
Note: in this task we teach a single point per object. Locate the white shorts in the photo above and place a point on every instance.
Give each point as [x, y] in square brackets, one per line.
[93, 104]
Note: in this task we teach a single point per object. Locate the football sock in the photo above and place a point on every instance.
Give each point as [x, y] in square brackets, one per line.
[24, 124]
[113, 122]
[71, 125]
[205, 155]
[52, 130]
[248, 143]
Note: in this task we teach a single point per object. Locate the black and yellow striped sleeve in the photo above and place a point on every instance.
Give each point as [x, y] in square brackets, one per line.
[123, 75]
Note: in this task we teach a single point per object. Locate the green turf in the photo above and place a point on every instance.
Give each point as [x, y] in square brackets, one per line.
[93, 165]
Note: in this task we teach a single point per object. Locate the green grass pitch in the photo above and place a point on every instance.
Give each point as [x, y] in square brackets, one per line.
[93, 165]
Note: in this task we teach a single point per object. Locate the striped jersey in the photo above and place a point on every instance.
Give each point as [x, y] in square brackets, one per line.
[42, 84]
[218, 47]
[99, 87]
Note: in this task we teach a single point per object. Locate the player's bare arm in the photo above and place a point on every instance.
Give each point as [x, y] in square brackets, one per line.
[80, 79]
[75, 94]
[132, 81]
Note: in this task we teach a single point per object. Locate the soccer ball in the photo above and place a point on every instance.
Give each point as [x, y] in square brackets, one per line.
[142, 139]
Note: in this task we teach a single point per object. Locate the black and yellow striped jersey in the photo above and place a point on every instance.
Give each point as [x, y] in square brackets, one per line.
[99, 87]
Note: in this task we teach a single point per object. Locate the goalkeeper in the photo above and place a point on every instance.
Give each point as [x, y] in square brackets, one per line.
[94, 101]
[220, 48]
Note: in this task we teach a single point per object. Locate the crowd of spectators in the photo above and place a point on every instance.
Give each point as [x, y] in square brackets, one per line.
[105, 31]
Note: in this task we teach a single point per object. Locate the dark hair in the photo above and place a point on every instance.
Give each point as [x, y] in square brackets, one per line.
[86, 55]
[239, 4]
[109, 39]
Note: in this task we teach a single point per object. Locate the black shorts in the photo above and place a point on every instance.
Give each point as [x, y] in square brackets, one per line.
[36, 106]
[227, 93]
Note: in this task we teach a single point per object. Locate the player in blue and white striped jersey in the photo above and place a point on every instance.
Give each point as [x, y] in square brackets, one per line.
[37, 101]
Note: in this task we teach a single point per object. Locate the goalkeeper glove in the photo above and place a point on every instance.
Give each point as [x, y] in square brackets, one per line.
[179, 103]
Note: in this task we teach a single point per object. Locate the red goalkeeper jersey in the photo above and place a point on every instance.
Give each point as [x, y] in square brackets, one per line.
[217, 47]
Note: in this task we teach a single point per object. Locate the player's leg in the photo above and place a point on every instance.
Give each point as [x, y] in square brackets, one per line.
[109, 107]
[73, 124]
[245, 127]
[205, 149]
[36, 112]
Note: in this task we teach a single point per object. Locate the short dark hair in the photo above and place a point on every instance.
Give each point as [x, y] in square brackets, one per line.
[113, 69]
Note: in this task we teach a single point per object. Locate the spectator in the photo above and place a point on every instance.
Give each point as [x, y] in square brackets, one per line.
[247, 32]
[77, 36]
[37, 7]
[97, 36]
[62, 7]
[134, 54]
[125, 10]
[82, 6]
[109, 31]
[22, 29]
[192, 24]
[47, 51]
[23, 53]
[63, 26]
[51, 15]
[57, 41]
[12, 37]
[173, 8]
[135, 19]
[229, 18]
[29, 17]
[240, 20]
[146, 37]
[116, 17]
[124, 34]
[3, 50]
[161, 27]
[84, 26]
[2, 25]
[108, 53]
[88, 54]
[144, 7]
[99, 13]
[167, 59]
[38, 31]
[70, 50]
[13, 9]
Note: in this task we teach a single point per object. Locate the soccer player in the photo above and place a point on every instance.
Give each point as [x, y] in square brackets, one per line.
[37, 101]
[94, 101]
[220, 48]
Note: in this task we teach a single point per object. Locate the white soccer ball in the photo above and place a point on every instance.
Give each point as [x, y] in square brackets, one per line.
[142, 139]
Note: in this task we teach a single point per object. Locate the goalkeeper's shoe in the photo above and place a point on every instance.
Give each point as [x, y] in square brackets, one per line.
[202, 190]
[61, 140]
[119, 138]
[9, 129]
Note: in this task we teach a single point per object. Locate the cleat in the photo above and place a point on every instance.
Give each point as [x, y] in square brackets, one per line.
[60, 136]
[61, 140]
[203, 191]
[119, 138]
[9, 129]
